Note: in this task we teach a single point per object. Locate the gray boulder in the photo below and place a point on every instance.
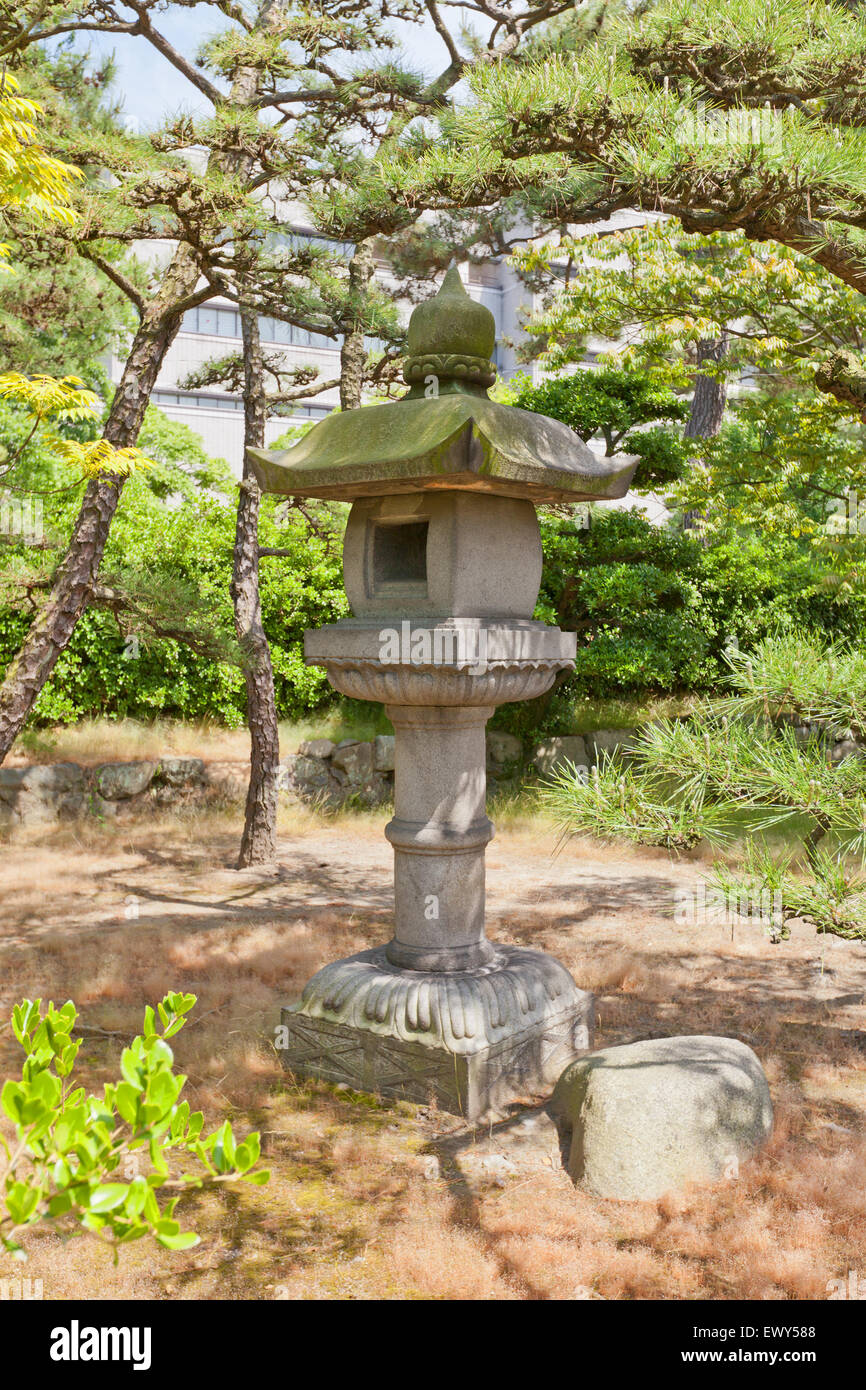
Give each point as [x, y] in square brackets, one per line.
[555, 751]
[51, 780]
[355, 760]
[503, 748]
[608, 741]
[383, 753]
[43, 793]
[650, 1117]
[316, 748]
[311, 775]
[119, 781]
[845, 748]
[227, 781]
[181, 772]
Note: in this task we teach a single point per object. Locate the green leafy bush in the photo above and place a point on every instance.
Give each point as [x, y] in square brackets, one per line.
[657, 611]
[628, 409]
[76, 1159]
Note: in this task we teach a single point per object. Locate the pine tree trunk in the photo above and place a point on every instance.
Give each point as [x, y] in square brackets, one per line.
[710, 397]
[353, 354]
[50, 633]
[708, 405]
[259, 839]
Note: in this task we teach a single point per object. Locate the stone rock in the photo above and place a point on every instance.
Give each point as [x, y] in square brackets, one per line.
[118, 781]
[556, 751]
[43, 793]
[53, 779]
[180, 772]
[311, 774]
[608, 741]
[845, 748]
[377, 791]
[383, 753]
[491, 1168]
[29, 809]
[356, 760]
[286, 780]
[72, 805]
[503, 748]
[228, 781]
[649, 1117]
[316, 748]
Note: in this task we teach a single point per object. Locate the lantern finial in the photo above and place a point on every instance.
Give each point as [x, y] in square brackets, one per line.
[451, 338]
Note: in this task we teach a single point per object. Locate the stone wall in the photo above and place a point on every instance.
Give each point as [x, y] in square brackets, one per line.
[321, 772]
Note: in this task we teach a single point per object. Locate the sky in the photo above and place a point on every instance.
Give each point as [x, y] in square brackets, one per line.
[153, 90]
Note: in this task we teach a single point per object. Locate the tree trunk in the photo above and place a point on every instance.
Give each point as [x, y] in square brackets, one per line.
[710, 397]
[258, 842]
[843, 376]
[50, 633]
[353, 354]
[708, 405]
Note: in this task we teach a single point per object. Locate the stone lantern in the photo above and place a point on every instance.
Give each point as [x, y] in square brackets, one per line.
[442, 566]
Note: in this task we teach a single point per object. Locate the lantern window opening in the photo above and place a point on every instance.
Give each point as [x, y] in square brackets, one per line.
[397, 558]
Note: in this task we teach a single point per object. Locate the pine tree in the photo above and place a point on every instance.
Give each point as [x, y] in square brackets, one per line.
[740, 116]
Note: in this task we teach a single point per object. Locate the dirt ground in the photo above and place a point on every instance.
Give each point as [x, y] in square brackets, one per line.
[389, 1200]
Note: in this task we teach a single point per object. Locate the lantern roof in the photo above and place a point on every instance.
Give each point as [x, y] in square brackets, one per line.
[445, 432]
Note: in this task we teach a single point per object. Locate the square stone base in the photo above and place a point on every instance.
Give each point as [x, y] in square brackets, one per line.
[468, 1084]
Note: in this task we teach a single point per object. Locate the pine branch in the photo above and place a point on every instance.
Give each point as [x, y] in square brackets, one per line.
[116, 276]
[843, 377]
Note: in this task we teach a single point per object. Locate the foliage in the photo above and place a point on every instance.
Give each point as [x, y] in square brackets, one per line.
[624, 124]
[785, 462]
[76, 1158]
[832, 898]
[30, 178]
[786, 453]
[628, 589]
[730, 767]
[616, 405]
[49, 402]
[657, 292]
[797, 675]
[611, 802]
[158, 637]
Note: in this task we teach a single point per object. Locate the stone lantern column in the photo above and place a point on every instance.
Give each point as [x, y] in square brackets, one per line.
[442, 565]
[439, 832]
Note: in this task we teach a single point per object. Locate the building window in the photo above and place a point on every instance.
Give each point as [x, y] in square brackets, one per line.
[192, 400]
[219, 322]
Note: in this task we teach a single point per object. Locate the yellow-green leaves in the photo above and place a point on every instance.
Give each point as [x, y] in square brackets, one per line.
[29, 177]
[79, 1158]
[51, 401]
[50, 398]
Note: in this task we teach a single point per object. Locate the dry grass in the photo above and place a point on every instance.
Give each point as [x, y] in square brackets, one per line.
[93, 741]
[371, 1199]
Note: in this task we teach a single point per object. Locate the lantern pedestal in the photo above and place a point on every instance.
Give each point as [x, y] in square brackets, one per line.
[469, 1041]
[441, 1013]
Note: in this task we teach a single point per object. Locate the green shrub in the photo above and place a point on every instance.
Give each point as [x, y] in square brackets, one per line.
[100, 1162]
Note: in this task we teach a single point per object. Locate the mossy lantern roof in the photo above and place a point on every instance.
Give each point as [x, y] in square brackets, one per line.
[445, 432]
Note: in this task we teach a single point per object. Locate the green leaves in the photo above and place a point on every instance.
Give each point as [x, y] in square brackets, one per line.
[74, 1149]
